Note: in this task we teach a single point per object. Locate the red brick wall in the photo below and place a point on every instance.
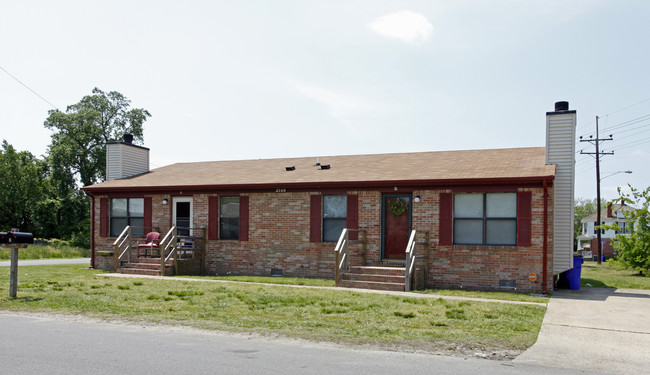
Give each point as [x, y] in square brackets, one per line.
[279, 239]
[161, 221]
[608, 249]
[482, 267]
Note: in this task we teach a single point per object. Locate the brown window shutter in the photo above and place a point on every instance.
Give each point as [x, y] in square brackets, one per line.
[524, 218]
[213, 218]
[243, 218]
[315, 202]
[103, 217]
[352, 221]
[147, 215]
[445, 235]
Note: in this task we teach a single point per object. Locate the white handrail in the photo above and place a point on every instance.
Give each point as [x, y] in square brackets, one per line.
[168, 241]
[410, 262]
[341, 251]
[127, 228]
[124, 237]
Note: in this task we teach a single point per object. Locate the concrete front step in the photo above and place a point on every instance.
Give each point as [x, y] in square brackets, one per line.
[146, 260]
[374, 277]
[139, 271]
[148, 266]
[377, 270]
[142, 266]
[398, 287]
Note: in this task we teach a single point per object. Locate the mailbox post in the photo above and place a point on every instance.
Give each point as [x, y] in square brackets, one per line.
[15, 240]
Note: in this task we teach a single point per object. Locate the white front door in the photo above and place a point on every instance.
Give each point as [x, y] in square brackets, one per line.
[182, 215]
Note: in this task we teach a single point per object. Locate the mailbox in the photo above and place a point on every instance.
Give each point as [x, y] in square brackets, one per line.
[16, 237]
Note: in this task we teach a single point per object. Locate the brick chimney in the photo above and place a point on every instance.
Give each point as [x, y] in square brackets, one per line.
[609, 209]
[124, 159]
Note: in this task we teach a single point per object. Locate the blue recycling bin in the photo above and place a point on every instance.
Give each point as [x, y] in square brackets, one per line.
[573, 275]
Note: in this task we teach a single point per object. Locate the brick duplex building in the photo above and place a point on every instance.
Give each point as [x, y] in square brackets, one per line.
[485, 219]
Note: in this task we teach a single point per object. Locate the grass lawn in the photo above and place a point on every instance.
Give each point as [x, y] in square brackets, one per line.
[402, 323]
[270, 280]
[505, 296]
[608, 276]
[46, 252]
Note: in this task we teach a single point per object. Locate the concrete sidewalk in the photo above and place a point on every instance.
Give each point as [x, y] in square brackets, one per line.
[46, 262]
[596, 329]
[369, 291]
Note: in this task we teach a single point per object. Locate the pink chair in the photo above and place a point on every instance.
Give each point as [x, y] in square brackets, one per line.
[150, 243]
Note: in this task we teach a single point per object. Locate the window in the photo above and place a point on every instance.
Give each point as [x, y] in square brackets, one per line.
[334, 216]
[602, 231]
[127, 211]
[485, 219]
[584, 228]
[229, 218]
[623, 227]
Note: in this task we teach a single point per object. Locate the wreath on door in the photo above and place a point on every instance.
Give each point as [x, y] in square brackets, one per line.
[397, 207]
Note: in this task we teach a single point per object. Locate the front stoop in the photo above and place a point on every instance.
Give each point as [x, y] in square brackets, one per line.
[380, 278]
[143, 266]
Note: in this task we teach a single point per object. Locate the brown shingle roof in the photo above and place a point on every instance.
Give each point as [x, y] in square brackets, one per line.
[430, 167]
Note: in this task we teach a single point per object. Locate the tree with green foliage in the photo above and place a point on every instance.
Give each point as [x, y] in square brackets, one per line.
[582, 208]
[29, 200]
[633, 248]
[23, 184]
[78, 148]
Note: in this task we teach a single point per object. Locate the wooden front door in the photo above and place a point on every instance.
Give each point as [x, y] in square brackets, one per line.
[396, 223]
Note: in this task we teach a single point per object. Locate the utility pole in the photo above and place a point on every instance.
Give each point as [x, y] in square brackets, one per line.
[598, 153]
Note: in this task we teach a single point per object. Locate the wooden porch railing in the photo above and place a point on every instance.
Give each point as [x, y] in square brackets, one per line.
[122, 247]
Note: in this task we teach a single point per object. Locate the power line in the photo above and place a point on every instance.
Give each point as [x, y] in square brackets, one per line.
[598, 153]
[623, 124]
[616, 111]
[629, 106]
[30, 89]
[635, 142]
[623, 128]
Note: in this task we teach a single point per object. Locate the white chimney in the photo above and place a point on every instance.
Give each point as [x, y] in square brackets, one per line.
[560, 151]
[124, 159]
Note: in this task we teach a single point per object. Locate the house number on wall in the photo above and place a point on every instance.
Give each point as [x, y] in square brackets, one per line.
[281, 190]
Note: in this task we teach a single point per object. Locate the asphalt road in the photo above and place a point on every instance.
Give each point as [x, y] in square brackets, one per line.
[52, 345]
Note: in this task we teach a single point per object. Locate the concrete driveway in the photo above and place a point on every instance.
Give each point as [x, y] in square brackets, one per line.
[597, 329]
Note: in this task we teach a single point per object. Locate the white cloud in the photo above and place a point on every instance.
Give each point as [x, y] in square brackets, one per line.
[410, 27]
[339, 104]
[356, 107]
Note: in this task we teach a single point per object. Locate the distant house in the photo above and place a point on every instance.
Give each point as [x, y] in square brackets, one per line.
[483, 219]
[588, 240]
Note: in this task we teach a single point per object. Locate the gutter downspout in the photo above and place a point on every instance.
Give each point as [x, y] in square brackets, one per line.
[545, 245]
[92, 230]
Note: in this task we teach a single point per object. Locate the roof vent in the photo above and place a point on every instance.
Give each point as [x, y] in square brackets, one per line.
[324, 166]
[561, 106]
[290, 168]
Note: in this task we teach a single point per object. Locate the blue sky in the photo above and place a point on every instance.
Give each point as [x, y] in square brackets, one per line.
[264, 79]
